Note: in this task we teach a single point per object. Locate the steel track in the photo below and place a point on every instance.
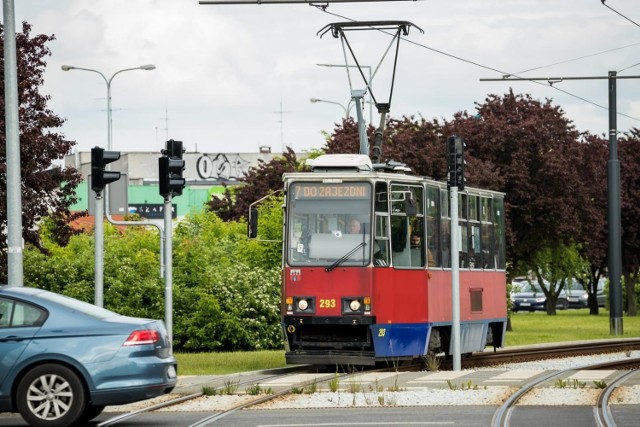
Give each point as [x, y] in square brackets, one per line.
[602, 413]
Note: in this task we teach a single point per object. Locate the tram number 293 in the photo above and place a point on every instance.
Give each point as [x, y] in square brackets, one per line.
[328, 303]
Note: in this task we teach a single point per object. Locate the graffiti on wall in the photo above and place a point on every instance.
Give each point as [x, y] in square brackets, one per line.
[222, 166]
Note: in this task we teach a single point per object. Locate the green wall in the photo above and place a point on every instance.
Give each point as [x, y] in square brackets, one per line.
[191, 200]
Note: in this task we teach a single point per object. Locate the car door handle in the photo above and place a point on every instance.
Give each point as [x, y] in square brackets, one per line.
[11, 338]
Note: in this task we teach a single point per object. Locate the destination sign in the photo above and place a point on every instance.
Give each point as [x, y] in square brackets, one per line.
[358, 190]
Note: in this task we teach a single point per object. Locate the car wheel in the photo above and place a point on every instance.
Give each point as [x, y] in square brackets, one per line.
[90, 412]
[50, 396]
[565, 305]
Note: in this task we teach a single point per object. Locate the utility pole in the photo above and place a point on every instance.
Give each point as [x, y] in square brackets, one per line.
[615, 239]
[15, 268]
[614, 253]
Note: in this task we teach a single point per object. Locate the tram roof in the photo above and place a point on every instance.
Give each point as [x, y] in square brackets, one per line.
[358, 167]
[338, 177]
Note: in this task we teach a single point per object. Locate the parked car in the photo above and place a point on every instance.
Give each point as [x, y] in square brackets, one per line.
[64, 360]
[579, 298]
[530, 298]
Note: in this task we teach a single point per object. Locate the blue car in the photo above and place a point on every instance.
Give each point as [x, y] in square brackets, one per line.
[63, 360]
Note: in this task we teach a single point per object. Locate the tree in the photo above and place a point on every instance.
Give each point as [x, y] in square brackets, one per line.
[45, 191]
[554, 267]
[514, 144]
[592, 209]
[531, 146]
[408, 140]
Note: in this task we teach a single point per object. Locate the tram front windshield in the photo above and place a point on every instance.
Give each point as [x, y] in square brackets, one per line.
[329, 223]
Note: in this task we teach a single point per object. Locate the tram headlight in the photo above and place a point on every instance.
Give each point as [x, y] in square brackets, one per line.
[304, 304]
[355, 305]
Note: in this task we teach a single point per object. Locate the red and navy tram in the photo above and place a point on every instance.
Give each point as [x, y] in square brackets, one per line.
[366, 268]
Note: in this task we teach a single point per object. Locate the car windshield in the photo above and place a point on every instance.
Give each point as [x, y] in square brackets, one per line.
[531, 287]
[574, 285]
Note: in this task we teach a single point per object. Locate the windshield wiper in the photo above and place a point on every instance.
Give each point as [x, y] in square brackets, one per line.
[345, 256]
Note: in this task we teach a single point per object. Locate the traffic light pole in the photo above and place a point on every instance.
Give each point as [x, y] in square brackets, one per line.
[98, 253]
[455, 151]
[171, 183]
[168, 272]
[455, 281]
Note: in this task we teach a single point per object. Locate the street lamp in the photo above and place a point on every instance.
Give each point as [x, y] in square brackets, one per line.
[98, 227]
[147, 67]
[369, 83]
[346, 109]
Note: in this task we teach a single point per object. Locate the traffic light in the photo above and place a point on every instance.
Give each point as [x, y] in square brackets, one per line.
[100, 177]
[456, 162]
[173, 149]
[171, 166]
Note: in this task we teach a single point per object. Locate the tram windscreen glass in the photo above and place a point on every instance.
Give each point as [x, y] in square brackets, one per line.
[327, 222]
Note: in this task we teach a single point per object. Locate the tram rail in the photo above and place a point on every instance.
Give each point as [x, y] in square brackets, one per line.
[501, 417]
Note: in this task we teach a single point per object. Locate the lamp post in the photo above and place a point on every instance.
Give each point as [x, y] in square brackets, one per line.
[346, 109]
[370, 83]
[108, 81]
[99, 213]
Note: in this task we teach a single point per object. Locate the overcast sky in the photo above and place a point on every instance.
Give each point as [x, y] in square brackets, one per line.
[231, 78]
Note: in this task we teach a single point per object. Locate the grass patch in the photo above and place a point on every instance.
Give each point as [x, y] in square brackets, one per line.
[228, 363]
[567, 325]
[528, 328]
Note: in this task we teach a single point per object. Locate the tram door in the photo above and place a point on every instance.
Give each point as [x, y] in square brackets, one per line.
[403, 284]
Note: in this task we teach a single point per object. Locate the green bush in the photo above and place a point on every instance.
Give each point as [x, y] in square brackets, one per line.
[225, 287]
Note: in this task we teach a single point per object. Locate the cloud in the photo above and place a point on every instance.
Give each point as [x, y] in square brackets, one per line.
[237, 77]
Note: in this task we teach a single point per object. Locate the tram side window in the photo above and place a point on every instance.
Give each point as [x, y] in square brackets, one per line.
[464, 243]
[445, 229]
[407, 226]
[475, 251]
[381, 245]
[417, 242]
[486, 234]
[463, 230]
[499, 238]
[381, 228]
[434, 256]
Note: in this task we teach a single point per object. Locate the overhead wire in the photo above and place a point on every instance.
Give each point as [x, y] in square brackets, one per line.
[486, 67]
[579, 58]
[615, 11]
[628, 19]
[630, 66]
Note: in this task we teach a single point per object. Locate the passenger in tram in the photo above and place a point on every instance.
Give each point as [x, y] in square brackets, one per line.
[416, 252]
[354, 227]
